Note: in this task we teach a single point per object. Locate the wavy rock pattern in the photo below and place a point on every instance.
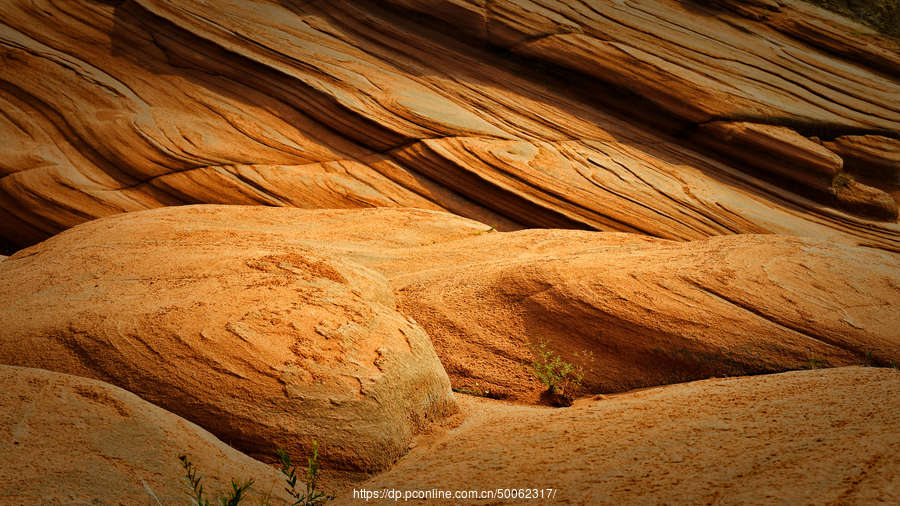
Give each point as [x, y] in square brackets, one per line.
[652, 312]
[71, 440]
[697, 66]
[872, 159]
[233, 287]
[810, 164]
[260, 340]
[812, 161]
[704, 66]
[742, 160]
[131, 105]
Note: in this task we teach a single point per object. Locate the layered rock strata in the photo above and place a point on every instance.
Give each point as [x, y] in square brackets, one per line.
[114, 107]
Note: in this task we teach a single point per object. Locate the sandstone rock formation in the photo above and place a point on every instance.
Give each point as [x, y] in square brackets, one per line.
[123, 106]
[810, 437]
[872, 159]
[71, 440]
[269, 299]
[783, 151]
[776, 144]
[699, 63]
[772, 63]
[652, 312]
[871, 155]
[267, 344]
[402, 197]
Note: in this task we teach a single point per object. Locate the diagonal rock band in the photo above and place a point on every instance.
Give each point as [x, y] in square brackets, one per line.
[150, 103]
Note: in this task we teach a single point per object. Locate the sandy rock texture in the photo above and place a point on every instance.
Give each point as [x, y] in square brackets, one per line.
[260, 339]
[806, 437]
[651, 312]
[325, 313]
[823, 30]
[748, 140]
[72, 440]
[287, 221]
[588, 119]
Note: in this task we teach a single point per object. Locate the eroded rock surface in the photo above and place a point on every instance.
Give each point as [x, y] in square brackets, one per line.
[871, 155]
[245, 330]
[301, 307]
[770, 146]
[123, 106]
[652, 312]
[699, 63]
[785, 66]
[816, 437]
[872, 159]
[72, 440]
[783, 151]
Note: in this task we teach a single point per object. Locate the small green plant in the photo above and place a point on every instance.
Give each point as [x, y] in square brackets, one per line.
[561, 377]
[193, 480]
[312, 496]
[239, 491]
[234, 497]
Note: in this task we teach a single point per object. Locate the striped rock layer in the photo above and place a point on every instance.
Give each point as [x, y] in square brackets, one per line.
[674, 119]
